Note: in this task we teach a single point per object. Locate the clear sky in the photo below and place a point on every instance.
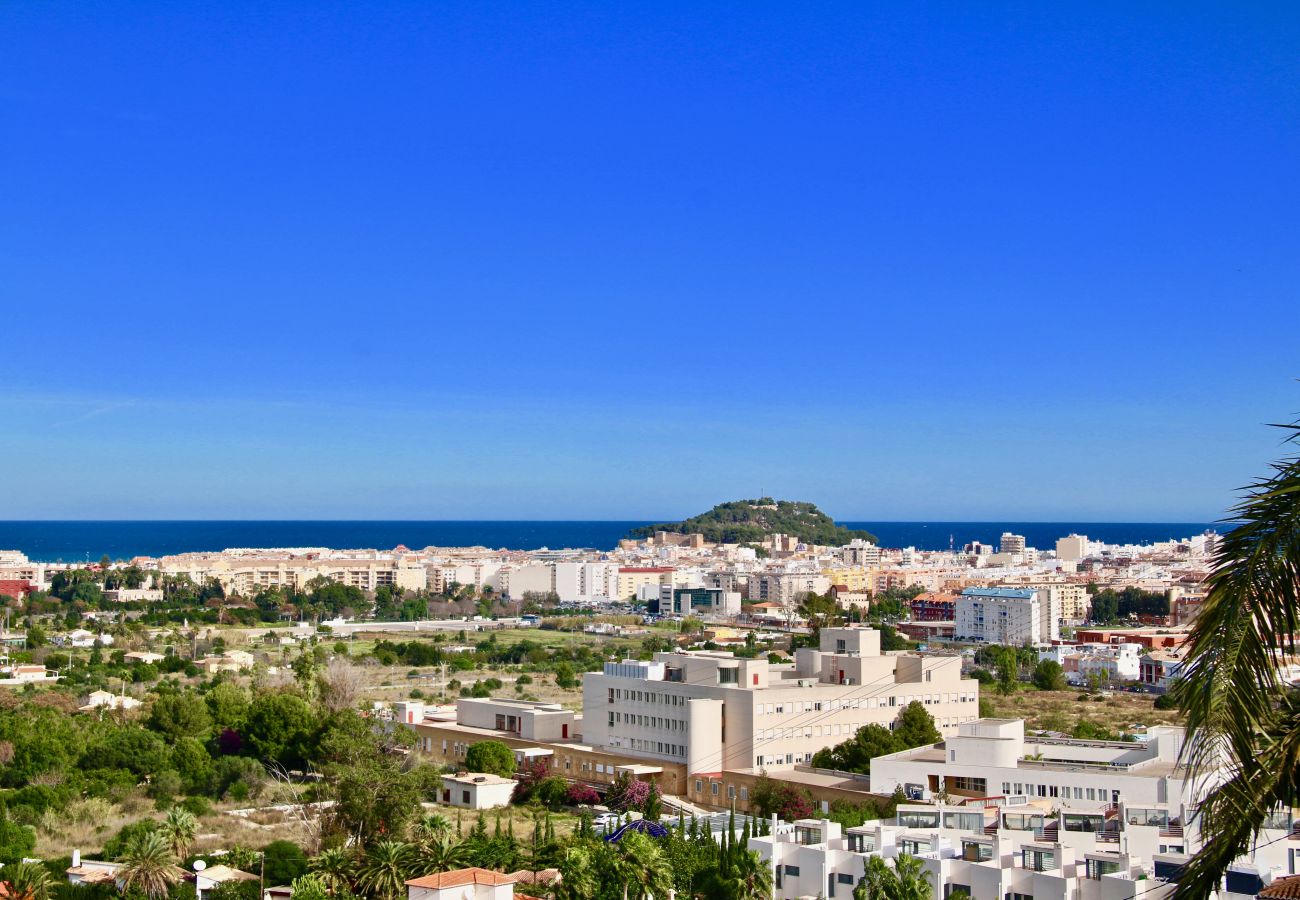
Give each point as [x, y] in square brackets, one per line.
[440, 260]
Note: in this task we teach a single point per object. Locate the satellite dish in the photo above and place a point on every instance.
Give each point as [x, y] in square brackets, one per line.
[199, 865]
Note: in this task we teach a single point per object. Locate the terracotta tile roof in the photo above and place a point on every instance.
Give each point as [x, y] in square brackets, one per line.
[1287, 888]
[460, 877]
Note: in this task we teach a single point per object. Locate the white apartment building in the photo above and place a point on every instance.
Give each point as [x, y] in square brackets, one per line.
[787, 588]
[713, 711]
[1027, 817]
[572, 582]
[860, 553]
[1008, 616]
[1011, 543]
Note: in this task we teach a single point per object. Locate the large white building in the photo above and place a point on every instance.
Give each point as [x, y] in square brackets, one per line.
[572, 582]
[1010, 816]
[1008, 616]
[714, 711]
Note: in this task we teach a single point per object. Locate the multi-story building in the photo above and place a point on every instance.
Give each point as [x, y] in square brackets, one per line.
[1011, 543]
[632, 578]
[1018, 817]
[860, 553]
[572, 582]
[693, 601]
[714, 711]
[247, 572]
[930, 607]
[786, 588]
[1008, 616]
[1073, 547]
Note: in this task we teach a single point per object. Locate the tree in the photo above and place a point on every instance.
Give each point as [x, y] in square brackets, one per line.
[906, 880]
[27, 881]
[283, 862]
[191, 761]
[310, 887]
[384, 869]
[179, 715]
[279, 728]
[16, 841]
[1008, 670]
[179, 828]
[1238, 709]
[915, 726]
[491, 757]
[642, 867]
[578, 880]
[338, 685]
[227, 706]
[1048, 676]
[149, 866]
[335, 867]
[440, 852]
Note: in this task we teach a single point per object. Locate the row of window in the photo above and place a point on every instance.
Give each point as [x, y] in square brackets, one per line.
[799, 707]
[1010, 788]
[660, 722]
[663, 748]
[616, 694]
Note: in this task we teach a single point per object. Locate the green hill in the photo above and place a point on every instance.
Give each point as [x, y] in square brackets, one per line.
[751, 521]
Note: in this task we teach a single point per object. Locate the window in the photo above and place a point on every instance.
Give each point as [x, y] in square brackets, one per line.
[974, 851]
[728, 676]
[1038, 860]
[1100, 867]
[792, 870]
[1139, 816]
[464, 797]
[918, 819]
[964, 821]
[973, 785]
[713, 788]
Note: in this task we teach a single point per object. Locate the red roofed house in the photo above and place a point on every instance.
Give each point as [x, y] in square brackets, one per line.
[464, 884]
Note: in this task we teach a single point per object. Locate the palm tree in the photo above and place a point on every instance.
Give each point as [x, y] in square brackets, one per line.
[642, 867]
[336, 867]
[1239, 712]
[905, 881]
[751, 877]
[27, 881]
[384, 869]
[149, 866]
[439, 853]
[180, 828]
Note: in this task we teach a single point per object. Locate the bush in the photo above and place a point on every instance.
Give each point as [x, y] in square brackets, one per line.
[1166, 701]
[1048, 676]
[583, 795]
[197, 806]
[284, 861]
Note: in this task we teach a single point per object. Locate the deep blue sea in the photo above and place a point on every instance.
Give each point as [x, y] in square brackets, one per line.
[78, 541]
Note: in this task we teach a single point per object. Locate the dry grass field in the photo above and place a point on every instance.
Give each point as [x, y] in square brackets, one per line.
[1063, 710]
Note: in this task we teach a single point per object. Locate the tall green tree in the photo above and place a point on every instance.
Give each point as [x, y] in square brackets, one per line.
[1238, 708]
[149, 866]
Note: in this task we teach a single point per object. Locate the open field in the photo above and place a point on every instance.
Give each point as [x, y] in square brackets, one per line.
[1062, 710]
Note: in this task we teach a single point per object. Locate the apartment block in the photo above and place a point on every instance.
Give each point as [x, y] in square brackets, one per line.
[1006, 815]
[1008, 616]
[713, 711]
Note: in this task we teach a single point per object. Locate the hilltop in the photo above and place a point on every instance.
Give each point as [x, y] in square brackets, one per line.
[752, 521]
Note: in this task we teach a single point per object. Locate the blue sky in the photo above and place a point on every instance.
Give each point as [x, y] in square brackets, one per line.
[908, 261]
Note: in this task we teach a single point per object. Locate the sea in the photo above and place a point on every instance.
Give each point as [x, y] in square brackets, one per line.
[82, 541]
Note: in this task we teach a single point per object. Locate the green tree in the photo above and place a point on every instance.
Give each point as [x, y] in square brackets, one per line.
[27, 881]
[227, 706]
[1048, 676]
[284, 861]
[179, 828]
[384, 869]
[642, 867]
[905, 880]
[279, 728]
[149, 866]
[491, 757]
[1238, 708]
[915, 726]
[191, 761]
[335, 867]
[1008, 670]
[180, 715]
